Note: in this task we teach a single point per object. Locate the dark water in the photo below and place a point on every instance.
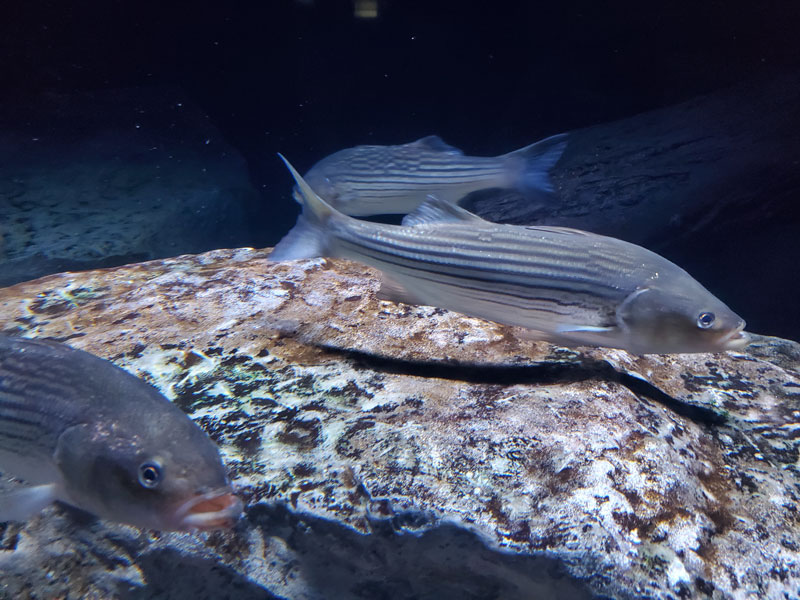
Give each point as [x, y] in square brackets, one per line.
[222, 88]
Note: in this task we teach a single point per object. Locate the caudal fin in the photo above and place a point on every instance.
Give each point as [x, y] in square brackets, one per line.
[308, 238]
[534, 163]
[304, 240]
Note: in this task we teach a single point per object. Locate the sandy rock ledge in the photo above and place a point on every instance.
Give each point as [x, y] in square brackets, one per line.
[393, 451]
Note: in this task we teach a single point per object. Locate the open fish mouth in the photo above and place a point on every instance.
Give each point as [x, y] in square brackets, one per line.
[736, 339]
[218, 509]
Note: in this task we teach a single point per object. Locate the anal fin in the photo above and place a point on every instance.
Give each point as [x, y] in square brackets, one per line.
[393, 291]
[582, 329]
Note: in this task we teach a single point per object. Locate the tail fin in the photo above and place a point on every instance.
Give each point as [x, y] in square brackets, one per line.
[537, 160]
[308, 238]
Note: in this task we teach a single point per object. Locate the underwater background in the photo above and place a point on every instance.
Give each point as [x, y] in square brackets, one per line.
[103, 98]
[393, 449]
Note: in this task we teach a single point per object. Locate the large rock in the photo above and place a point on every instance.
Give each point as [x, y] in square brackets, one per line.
[394, 451]
[666, 176]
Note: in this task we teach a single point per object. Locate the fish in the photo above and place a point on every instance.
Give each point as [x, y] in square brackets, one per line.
[80, 430]
[565, 286]
[378, 180]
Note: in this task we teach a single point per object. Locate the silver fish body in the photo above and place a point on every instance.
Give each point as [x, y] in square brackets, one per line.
[373, 180]
[566, 286]
[83, 431]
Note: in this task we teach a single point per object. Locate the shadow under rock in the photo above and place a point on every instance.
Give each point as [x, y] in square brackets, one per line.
[172, 575]
[444, 562]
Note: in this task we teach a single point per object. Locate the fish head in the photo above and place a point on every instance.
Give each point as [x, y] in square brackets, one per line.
[166, 474]
[679, 317]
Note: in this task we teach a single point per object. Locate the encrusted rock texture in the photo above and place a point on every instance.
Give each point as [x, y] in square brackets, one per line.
[395, 451]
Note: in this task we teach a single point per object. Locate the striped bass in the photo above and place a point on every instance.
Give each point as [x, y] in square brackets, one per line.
[566, 286]
[82, 431]
[375, 180]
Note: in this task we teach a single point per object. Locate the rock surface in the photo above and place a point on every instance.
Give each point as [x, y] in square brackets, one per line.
[94, 179]
[718, 161]
[394, 451]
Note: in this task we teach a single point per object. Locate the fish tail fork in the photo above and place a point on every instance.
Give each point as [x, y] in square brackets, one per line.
[533, 163]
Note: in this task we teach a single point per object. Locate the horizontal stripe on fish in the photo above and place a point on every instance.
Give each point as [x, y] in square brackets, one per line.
[29, 422]
[501, 262]
[411, 169]
[13, 411]
[433, 178]
[26, 423]
[422, 240]
[524, 245]
[29, 413]
[43, 389]
[36, 396]
[506, 265]
[441, 177]
[19, 399]
[516, 297]
[29, 445]
[16, 366]
[591, 291]
[20, 429]
[432, 161]
[521, 310]
[518, 309]
[491, 281]
[390, 161]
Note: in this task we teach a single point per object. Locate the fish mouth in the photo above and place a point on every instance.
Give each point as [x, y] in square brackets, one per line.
[218, 509]
[736, 339]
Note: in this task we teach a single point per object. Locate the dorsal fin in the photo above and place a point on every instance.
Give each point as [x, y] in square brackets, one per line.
[435, 210]
[561, 230]
[434, 142]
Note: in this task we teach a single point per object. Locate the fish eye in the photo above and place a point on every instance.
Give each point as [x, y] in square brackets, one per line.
[705, 320]
[150, 474]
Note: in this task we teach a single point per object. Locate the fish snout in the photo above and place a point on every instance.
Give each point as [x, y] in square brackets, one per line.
[218, 509]
[737, 338]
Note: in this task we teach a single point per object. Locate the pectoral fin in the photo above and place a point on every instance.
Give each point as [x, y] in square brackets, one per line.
[571, 335]
[534, 335]
[565, 335]
[21, 504]
[590, 335]
[395, 292]
[582, 329]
